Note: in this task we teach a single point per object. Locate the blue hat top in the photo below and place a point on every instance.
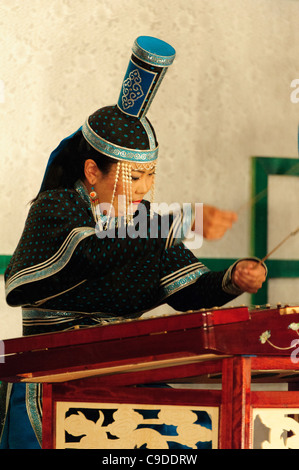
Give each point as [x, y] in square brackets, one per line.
[122, 131]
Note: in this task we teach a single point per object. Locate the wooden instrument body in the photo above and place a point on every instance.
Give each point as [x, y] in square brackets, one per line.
[148, 343]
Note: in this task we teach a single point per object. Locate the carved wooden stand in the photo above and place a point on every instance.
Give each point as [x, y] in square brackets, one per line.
[112, 369]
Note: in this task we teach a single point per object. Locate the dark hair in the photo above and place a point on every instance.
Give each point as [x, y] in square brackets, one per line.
[68, 165]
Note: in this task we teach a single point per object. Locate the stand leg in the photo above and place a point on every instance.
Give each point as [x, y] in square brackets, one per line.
[225, 429]
[241, 409]
[48, 417]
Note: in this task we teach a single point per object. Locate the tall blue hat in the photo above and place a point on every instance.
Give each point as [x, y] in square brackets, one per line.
[122, 131]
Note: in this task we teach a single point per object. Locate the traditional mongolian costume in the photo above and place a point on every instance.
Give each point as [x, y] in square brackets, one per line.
[64, 272]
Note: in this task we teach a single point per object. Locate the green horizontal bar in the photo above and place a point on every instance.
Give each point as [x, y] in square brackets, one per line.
[4, 260]
[282, 268]
[276, 267]
[218, 264]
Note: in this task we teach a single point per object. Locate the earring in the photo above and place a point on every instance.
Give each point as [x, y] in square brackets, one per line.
[93, 203]
[93, 195]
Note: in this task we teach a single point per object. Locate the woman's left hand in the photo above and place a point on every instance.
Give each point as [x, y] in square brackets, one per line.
[249, 275]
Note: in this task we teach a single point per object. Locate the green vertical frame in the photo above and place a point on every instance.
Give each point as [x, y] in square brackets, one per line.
[262, 167]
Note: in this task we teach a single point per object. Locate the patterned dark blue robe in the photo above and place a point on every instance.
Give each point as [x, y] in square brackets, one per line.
[63, 274]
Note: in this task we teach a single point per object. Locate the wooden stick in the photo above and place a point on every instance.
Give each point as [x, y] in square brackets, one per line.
[279, 245]
[252, 201]
[263, 193]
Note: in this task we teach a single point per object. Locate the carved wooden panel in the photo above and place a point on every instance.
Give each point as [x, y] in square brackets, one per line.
[276, 428]
[129, 426]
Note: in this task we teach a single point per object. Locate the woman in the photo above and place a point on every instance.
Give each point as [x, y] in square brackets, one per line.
[83, 258]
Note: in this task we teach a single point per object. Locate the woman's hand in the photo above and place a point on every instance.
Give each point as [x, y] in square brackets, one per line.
[215, 222]
[249, 275]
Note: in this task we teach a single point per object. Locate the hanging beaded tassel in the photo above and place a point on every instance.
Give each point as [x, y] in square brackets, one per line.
[124, 195]
[152, 197]
[113, 195]
[127, 190]
[130, 210]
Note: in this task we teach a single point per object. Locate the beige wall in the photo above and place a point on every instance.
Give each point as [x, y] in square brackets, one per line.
[226, 98]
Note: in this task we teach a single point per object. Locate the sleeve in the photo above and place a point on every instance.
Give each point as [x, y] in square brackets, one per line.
[187, 284]
[206, 292]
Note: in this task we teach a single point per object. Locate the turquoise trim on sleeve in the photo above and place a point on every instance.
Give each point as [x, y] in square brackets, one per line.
[182, 278]
[53, 265]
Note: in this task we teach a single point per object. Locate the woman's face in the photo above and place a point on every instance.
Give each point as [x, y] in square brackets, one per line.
[142, 181]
